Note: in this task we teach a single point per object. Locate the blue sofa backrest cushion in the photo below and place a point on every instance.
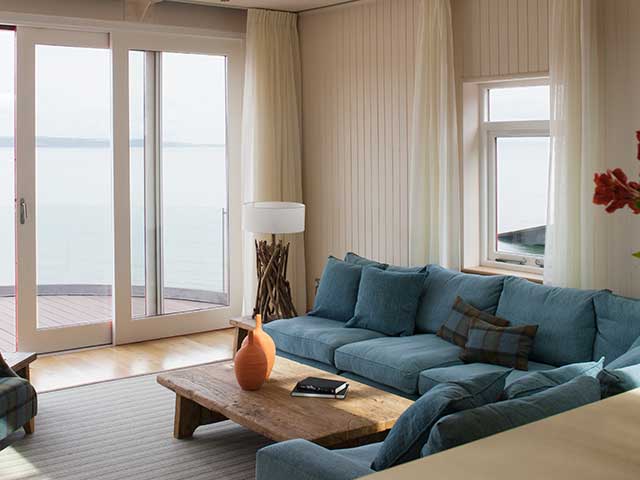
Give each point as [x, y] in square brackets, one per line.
[338, 290]
[411, 431]
[618, 322]
[387, 301]
[470, 425]
[443, 286]
[565, 318]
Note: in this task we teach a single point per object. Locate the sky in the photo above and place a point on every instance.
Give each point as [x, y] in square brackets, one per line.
[73, 93]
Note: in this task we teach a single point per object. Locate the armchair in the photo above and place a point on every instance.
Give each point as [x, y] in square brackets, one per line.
[18, 402]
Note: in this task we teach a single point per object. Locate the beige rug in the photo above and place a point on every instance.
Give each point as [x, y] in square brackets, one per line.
[122, 429]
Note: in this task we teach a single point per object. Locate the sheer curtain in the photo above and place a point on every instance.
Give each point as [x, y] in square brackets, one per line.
[434, 226]
[271, 135]
[575, 247]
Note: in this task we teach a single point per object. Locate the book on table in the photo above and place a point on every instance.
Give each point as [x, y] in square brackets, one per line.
[320, 388]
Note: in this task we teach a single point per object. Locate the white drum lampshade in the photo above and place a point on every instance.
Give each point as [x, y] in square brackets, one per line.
[273, 217]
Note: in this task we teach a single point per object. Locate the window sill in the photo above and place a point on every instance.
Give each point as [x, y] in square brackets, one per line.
[481, 270]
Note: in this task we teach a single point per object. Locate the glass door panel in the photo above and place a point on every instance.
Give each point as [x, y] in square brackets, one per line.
[73, 186]
[194, 181]
[7, 193]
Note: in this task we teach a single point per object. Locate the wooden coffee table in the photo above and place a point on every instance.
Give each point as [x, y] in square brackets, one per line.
[210, 394]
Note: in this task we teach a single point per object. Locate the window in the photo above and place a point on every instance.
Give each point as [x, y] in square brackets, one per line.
[178, 166]
[515, 127]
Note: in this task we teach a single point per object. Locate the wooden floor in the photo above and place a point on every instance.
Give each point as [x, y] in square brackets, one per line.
[61, 370]
[64, 310]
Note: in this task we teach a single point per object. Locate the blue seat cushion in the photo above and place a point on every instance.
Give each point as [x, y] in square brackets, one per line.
[315, 338]
[435, 376]
[618, 322]
[411, 431]
[397, 361]
[469, 425]
[565, 318]
[442, 286]
[387, 301]
[536, 382]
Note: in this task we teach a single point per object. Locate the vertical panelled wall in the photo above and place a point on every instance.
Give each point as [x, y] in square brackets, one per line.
[358, 74]
[501, 38]
[358, 66]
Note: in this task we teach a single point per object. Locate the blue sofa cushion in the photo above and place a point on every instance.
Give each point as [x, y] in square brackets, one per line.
[387, 301]
[628, 358]
[443, 286]
[456, 328]
[469, 425]
[618, 322]
[431, 378]
[619, 380]
[365, 262]
[506, 346]
[315, 338]
[338, 290]
[411, 431]
[538, 381]
[356, 259]
[302, 460]
[397, 361]
[565, 318]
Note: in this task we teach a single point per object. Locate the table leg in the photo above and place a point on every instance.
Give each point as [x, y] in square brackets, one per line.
[30, 426]
[24, 373]
[189, 416]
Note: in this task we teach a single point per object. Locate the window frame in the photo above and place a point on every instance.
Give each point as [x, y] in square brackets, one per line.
[489, 133]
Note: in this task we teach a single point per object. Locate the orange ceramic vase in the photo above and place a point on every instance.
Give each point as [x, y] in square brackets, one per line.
[265, 342]
[250, 365]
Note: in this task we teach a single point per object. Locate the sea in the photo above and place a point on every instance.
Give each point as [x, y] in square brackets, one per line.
[74, 215]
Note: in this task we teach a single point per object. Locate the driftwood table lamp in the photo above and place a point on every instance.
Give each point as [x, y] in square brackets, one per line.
[273, 295]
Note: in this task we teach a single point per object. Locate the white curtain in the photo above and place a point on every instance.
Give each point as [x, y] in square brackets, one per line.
[435, 183]
[271, 135]
[575, 246]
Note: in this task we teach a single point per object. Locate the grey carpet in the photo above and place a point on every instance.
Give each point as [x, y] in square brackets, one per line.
[123, 430]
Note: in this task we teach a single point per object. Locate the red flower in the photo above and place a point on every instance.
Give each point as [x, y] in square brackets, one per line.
[614, 191]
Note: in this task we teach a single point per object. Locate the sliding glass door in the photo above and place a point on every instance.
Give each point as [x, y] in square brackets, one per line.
[64, 179]
[179, 198]
[127, 187]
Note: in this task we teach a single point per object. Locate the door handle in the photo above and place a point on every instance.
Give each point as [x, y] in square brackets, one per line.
[24, 213]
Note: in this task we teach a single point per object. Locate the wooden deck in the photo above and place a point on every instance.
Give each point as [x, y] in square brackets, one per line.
[65, 310]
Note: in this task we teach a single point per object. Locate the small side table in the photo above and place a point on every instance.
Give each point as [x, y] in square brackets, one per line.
[19, 362]
[241, 326]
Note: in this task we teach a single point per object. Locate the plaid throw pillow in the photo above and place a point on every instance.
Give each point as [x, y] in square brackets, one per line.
[456, 328]
[506, 346]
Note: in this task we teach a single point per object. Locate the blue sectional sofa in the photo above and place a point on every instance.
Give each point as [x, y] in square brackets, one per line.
[576, 329]
[574, 326]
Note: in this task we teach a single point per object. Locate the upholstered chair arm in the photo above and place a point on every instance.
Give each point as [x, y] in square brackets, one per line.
[303, 460]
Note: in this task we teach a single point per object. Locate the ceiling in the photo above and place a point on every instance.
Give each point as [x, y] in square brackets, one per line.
[288, 5]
